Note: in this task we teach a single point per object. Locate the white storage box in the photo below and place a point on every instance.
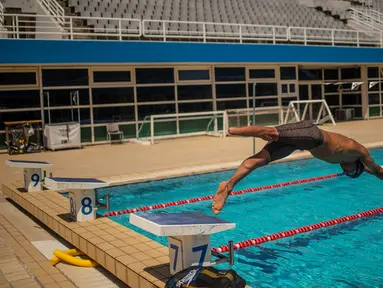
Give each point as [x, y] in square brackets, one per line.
[62, 136]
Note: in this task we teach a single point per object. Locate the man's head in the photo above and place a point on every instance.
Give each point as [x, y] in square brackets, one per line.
[353, 169]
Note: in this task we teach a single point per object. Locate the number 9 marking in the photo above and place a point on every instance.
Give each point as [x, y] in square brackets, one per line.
[35, 178]
[86, 205]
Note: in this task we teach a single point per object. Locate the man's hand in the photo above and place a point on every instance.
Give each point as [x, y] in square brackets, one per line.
[370, 166]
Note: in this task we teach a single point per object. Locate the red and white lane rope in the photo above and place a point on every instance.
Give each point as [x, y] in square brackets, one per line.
[292, 232]
[210, 197]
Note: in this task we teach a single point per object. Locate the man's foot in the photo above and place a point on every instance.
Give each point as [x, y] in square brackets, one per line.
[220, 197]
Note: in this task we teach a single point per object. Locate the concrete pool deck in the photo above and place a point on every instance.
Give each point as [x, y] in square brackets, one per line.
[126, 254]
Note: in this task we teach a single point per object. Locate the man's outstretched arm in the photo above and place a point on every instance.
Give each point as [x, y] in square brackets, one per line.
[370, 165]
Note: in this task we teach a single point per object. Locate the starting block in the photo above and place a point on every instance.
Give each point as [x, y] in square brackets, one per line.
[188, 235]
[32, 173]
[82, 197]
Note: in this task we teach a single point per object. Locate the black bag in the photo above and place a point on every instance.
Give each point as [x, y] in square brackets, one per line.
[206, 277]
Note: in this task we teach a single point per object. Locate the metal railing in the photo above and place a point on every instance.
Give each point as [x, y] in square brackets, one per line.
[102, 28]
[54, 9]
[73, 27]
[165, 29]
[367, 17]
[1, 13]
[335, 37]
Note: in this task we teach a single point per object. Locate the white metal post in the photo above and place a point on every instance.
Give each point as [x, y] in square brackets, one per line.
[240, 34]
[120, 28]
[151, 130]
[164, 33]
[71, 27]
[204, 32]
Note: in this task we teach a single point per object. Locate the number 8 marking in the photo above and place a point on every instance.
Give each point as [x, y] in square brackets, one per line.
[35, 178]
[86, 205]
[72, 210]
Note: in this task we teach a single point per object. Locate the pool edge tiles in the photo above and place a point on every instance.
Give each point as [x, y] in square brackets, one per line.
[133, 258]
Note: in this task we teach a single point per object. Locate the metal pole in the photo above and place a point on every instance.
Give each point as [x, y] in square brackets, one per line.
[231, 253]
[254, 84]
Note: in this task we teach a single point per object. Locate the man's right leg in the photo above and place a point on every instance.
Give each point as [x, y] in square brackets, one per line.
[271, 152]
[250, 164]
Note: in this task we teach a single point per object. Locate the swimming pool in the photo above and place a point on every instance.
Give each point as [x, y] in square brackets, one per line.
[347, 255]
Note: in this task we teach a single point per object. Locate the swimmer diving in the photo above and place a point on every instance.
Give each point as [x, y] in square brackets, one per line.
[283, 140]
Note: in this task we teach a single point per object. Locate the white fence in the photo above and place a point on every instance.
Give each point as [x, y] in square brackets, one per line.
[335, 37]
[102, 28]
[213, 31]
[90, 27]
[367, 17]
[1, 13]
[54, 9]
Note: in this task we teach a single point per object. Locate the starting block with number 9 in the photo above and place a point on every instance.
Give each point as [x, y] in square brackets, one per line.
[82, 197]
[33, 177]
[188, 235]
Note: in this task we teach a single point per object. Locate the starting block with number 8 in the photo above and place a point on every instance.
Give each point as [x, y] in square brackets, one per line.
[82, 197]
[188, 235]
[33, 177]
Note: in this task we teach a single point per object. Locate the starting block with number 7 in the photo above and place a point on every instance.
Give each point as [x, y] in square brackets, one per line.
[188, 235]
[82, 197]
[33, 177]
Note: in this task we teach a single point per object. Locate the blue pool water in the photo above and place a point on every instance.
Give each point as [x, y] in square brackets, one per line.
[347, 255]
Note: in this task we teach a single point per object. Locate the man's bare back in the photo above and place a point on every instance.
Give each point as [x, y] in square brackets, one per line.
[330, 147]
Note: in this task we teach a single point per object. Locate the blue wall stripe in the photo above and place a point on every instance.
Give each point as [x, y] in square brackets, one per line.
[77, 51]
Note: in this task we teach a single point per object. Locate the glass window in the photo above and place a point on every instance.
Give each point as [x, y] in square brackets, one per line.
[373, 72]
[288, 88]
[65, 115]
[306, 74]
[18, 116]
[285, 88]
[147, 110]
[195, 107]
[113, 114]
[19, 99]
[373, 99]
[129, 130]
[350, 73]
[373, 86]
[111, 76]
[230, 90]
[3, 146]
[154, 75]
[288, 73]
[223, 105]
[332, 100]
[192, 75]
[17, 78]
[331, 88]
[286, 101]
[331, 74]
[292, 88]
[155, 94]
[113, 95]
[261, 73]
[265, 102]
[230, 74]
[86, 134]
[264, 89]
[374, 111]
[64, 97]
[65, 77]
[194, 92]
[351, 99]
[348, 86]
[358, 111]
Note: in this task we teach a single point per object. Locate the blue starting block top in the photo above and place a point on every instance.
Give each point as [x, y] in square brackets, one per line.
[59, 183]
[179, 224]
[27, 164]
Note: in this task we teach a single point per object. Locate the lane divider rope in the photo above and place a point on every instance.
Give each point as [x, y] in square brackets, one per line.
[292, 232]
[210, 197]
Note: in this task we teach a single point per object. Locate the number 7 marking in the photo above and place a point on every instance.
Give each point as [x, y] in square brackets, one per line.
[202, 248]
[175, 247]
